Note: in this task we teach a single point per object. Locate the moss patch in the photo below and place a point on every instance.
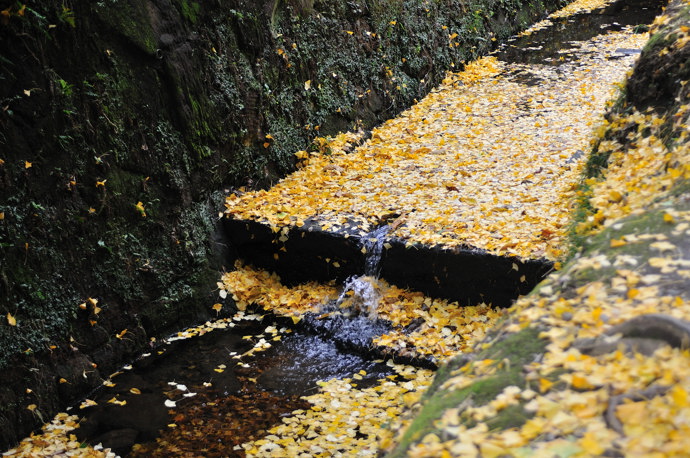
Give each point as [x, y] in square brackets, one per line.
[508, 354]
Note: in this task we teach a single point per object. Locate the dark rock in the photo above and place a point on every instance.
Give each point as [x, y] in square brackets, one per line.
[120, 441]
[643, 334]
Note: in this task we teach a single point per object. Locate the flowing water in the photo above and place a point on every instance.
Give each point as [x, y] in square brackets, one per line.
[220, 397]
[361, 294]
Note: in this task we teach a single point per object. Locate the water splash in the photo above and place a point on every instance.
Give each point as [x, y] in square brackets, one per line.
[361, 295]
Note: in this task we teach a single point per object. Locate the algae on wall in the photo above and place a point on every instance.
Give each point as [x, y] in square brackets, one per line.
[122, 120]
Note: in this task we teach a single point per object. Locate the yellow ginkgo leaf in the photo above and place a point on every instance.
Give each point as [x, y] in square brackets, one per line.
[140, 208]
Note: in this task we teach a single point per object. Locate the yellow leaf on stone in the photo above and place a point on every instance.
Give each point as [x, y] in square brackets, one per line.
[140, 208]
[615, 196]
[632, 413]
[545, 384]
[580, 383]
[591, 444]
[679, 396]
[663, 246]
[490, 449]
[533, 427]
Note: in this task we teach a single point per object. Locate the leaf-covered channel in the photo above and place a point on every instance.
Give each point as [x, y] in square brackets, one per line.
[491, 158]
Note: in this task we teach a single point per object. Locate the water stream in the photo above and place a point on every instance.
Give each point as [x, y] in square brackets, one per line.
[361, 293]
[220, 398]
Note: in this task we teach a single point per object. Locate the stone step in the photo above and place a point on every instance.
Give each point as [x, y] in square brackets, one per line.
[464, 274]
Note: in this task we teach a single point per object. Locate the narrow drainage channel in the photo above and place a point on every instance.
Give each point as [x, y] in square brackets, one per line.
[226, 383]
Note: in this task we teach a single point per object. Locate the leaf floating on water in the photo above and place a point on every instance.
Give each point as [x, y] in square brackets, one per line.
[87, 403]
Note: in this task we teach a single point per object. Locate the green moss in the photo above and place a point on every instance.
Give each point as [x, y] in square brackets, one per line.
[511, 417]
[190, 10]
[510, 354]
[130, 19]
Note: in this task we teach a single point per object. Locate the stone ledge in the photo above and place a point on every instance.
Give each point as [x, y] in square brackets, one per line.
[464, 274]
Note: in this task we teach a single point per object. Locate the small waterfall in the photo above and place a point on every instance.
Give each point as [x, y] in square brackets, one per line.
[373, 243]
[361, 294]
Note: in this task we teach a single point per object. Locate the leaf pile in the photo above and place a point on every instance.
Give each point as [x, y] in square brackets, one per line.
[344, 420]
[642, 154]
[572, 398]
[56, 440]
[485, 160]
[441, 328]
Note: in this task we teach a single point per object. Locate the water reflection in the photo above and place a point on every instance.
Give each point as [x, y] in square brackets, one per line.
[546, 46]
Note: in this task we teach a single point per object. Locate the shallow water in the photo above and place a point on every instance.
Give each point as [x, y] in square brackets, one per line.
[208, 382]
[549, 46]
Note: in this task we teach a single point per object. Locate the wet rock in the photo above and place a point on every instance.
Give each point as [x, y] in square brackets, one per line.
[643, 334]
[120, 441]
